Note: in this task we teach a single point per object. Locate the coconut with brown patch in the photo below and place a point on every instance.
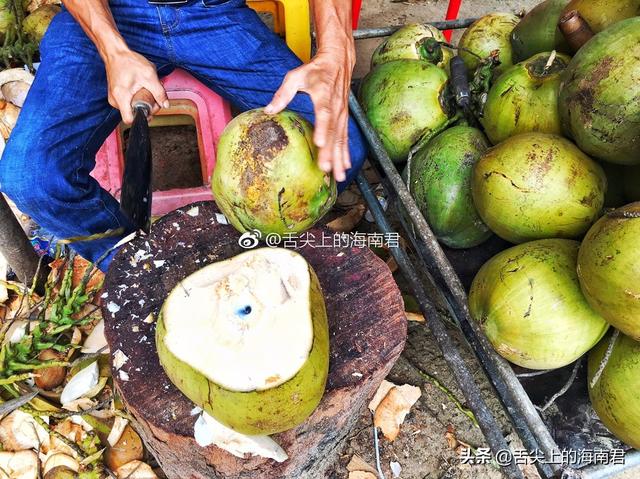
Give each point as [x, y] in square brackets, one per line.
[267, 177]
[600, 95]
[537, 185]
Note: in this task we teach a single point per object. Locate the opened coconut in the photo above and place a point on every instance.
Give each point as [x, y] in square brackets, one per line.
[614, 392]
[609, 268]
[406, 102]
[267, 177]
[414, 42]
[247, 340]
[439, 179]
[486, 35]
[536, 185]
[525, 98]
[600, 95]
[528, 301]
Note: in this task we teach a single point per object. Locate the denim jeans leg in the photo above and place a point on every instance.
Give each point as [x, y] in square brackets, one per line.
[66, 117]
[245, 62]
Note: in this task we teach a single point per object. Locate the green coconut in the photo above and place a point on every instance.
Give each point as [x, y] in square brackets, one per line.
[35, 25]
[267, 177]
[413, 42]
[406, 101]
[440, 182]
[528, 302]
[487, 34]
[247, 340]
[614, 395]
[600, 95]
[536, 185]
[600, 14]
[609, 268]
[538, 31]
[525, 98]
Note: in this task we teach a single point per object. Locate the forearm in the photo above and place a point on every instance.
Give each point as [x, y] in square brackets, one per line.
[332, 19]
[95, 18]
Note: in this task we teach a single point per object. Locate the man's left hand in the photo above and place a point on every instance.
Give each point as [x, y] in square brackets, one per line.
[327, 80]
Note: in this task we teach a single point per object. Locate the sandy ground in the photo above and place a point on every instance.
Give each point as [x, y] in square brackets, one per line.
[422, 449]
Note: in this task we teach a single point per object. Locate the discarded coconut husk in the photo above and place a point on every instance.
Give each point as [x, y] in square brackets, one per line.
[394, 406]
[8, 118]
[18, 465]
[135, 470]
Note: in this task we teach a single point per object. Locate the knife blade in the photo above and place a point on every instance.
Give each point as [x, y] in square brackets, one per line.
[135, 196]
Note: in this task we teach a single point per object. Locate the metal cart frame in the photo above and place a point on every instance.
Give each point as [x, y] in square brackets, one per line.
[519, 408]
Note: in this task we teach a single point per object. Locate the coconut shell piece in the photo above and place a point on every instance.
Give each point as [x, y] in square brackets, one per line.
[392, 409]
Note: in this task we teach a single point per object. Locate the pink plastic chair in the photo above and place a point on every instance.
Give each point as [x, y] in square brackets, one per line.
[210, 113]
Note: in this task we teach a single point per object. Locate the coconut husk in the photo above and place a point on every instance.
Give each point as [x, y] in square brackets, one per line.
[8, 118]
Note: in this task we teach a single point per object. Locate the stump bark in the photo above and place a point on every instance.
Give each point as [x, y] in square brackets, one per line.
[367, 334]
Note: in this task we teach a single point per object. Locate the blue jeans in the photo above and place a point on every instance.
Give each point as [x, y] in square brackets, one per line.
[47, 161]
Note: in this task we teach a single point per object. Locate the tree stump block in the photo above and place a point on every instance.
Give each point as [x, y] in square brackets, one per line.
[367, 329]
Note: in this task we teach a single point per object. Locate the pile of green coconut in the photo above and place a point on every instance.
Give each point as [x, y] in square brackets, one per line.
[545, 154]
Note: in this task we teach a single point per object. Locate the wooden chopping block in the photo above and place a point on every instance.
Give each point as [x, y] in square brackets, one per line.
[367, 328]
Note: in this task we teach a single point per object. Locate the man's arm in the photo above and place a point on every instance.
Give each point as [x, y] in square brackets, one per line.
[326, 78]
[127, 71]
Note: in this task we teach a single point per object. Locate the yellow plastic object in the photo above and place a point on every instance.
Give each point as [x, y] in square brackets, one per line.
[291, 18]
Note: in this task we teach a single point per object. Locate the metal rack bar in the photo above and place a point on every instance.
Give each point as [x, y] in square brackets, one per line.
[471, 391]
[363, 33]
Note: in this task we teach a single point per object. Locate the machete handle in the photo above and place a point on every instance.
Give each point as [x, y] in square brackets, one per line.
[144, 100]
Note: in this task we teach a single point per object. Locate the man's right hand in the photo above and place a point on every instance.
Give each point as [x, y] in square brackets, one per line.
[128, 73]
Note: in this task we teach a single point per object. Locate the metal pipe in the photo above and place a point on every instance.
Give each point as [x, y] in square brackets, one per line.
[363, 33]
[453, 286]
[17, 249]
[488, 424]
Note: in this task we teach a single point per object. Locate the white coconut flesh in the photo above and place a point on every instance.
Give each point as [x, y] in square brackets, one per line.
[244, 323]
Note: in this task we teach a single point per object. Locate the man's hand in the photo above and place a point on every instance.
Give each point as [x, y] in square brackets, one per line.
[127, 74]
[327, 80]
[127, 71]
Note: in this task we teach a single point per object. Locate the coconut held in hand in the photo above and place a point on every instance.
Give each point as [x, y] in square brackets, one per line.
[267, 176]
[247, 340]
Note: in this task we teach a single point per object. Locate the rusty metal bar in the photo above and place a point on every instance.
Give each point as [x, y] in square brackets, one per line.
[363, 33]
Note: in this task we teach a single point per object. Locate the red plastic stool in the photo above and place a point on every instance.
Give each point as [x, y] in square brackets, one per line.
[210, 114]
